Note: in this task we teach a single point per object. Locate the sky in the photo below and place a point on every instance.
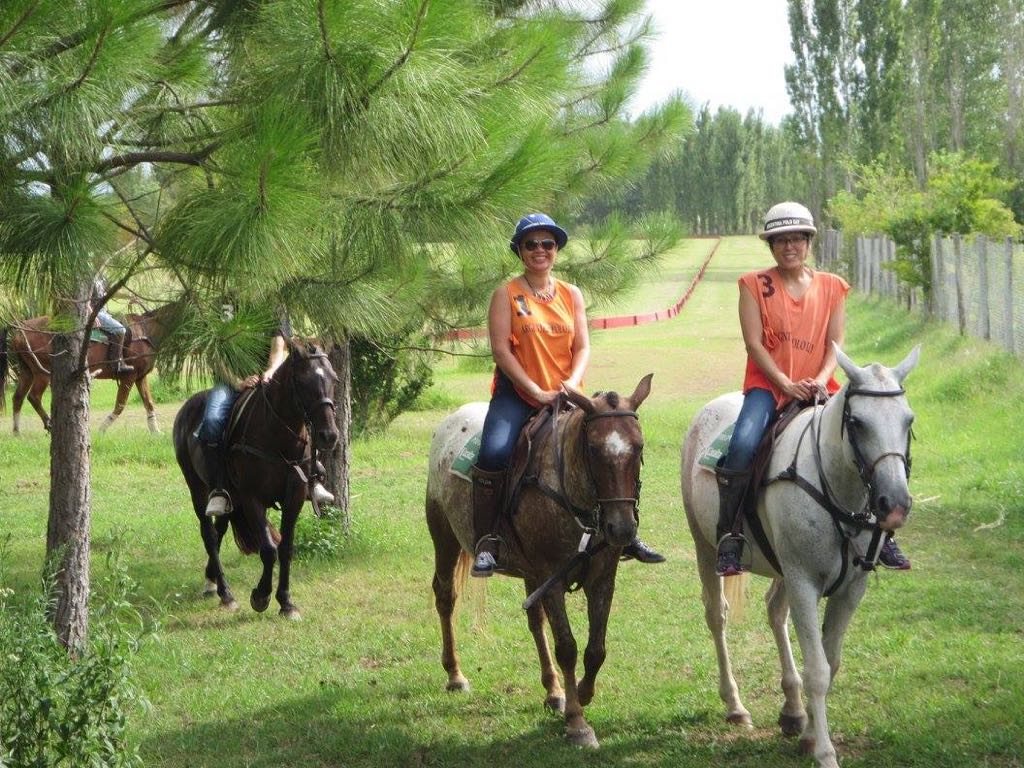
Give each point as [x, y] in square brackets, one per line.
[726, 52]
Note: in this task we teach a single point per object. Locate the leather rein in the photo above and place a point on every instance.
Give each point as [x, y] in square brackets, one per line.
[865, 518]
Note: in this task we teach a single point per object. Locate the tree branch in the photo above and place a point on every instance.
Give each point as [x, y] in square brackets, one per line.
[24, 17]
[324, 38]
[135, 158]
[408, 49]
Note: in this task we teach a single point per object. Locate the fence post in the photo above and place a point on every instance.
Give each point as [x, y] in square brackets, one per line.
[958, 264]
[1008, 295]
[936, 302]
[890, 274]
[984, 325]
[858, 261]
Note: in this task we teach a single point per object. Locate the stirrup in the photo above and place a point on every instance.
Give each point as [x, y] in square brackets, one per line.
[218, 503]
[728, 560]
[484, 565]
[321, 495]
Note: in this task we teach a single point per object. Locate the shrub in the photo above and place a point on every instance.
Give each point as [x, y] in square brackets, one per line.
[62, 709]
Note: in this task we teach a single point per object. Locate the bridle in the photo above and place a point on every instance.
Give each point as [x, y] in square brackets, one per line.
[866, 518]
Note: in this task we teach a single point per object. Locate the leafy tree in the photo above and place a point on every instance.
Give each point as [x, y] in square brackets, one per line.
[359, 163]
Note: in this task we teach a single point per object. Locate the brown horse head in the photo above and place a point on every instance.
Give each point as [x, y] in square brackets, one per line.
[309, 376]
[611, 451]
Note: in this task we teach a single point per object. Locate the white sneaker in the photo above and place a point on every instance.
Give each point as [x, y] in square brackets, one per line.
[321, 495]
[218, 504]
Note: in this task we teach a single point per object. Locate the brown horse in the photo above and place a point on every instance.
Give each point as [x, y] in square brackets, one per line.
[268, 438]
[587, 481]
[31, 344]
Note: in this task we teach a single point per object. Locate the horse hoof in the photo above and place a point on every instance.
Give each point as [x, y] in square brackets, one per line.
[585, 693]
[555, 704]
[229, 605]
[459, 684]
[210, 589]
[792, 725]
[807, 746]
[259, 603]
[585, 738]
[741, 719]
[291, 613]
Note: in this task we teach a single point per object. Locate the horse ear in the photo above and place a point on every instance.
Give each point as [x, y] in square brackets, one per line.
[853, 371]
[643, 389]
[579, 399]
[908, 364]
[293, 346]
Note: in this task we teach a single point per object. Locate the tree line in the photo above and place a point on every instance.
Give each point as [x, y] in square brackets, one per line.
[895, 85]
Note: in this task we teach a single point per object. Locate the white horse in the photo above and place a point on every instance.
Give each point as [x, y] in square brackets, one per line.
[852, 464]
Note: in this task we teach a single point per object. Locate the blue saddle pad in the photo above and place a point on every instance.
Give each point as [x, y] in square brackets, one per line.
[97, 335]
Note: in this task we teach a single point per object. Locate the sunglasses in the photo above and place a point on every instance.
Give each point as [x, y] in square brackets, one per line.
[533, 245]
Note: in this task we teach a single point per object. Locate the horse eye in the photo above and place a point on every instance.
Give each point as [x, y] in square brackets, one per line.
[854, 423]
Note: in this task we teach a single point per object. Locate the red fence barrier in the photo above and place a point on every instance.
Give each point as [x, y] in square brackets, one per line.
[616, 321]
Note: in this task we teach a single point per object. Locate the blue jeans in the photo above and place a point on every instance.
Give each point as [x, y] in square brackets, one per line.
[215, 415]
[756, 415]
[506, 415]
[109, 324]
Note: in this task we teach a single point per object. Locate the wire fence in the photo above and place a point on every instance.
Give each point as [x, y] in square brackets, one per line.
[977, 283]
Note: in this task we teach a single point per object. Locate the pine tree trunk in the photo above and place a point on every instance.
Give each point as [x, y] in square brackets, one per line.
[67, 536]
[339, 461]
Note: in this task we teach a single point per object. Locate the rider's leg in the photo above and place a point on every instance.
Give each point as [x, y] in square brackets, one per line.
[116, 332]
[506, 415]
[733, 474]
[319, 493]
[210, 434]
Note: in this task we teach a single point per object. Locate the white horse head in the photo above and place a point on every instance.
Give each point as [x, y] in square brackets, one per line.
[876, 428]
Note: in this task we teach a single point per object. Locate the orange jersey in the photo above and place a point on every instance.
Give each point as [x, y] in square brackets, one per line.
[543, 333]
[795, 331]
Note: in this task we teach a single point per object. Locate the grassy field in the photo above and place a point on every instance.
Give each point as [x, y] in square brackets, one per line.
[933, 670]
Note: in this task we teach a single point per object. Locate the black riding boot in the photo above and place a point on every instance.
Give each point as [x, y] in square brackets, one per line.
[488, 497]
[637, 550]
[121, 368]
[892, 556]
[219, 501]
[732, 486]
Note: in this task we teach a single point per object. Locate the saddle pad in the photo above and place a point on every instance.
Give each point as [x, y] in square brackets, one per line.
[466, 457]
[97, 335]
[718, 448]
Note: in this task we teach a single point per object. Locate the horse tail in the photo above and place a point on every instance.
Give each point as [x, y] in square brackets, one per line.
[247, 537]
[735, 589]
[3, 370]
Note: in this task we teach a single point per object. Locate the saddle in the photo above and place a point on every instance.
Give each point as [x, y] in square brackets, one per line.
[523, 456]
[758, 468]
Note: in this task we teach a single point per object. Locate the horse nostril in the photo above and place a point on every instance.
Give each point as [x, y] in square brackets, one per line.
[883, 505]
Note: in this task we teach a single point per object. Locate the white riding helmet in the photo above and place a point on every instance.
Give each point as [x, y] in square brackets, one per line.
[787, 217]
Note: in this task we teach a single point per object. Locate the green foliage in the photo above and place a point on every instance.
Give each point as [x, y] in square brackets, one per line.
[386, 380]
[962, 196]
[61, 709]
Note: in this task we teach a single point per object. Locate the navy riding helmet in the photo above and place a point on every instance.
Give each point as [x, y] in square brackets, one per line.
[534, 221]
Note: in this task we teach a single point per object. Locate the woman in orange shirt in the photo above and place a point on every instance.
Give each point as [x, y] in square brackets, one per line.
[789, 316]
[538, 332]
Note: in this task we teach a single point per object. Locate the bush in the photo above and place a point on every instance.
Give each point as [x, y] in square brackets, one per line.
[62, 709]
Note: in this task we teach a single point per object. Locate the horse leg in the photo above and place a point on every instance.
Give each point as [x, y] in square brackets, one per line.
[124, 386]
[35, 397]
[447, 554]
[20, 390]
[211, 533]
[146, 394]
[792, 718]
[259, 598]
[838, 612]
[716, 615]
[536, 620]
[803, 600]
[599, 593]
[289, 516]
[577, 730]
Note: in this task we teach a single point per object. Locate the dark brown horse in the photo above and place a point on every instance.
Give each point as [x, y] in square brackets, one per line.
[268, 438]
[30, 343]
[587, 468]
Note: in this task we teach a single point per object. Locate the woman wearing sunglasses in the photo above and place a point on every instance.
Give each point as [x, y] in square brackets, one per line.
[538, 332]
[789, 316]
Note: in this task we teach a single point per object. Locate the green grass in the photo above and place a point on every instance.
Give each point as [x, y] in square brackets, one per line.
[933, 669]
